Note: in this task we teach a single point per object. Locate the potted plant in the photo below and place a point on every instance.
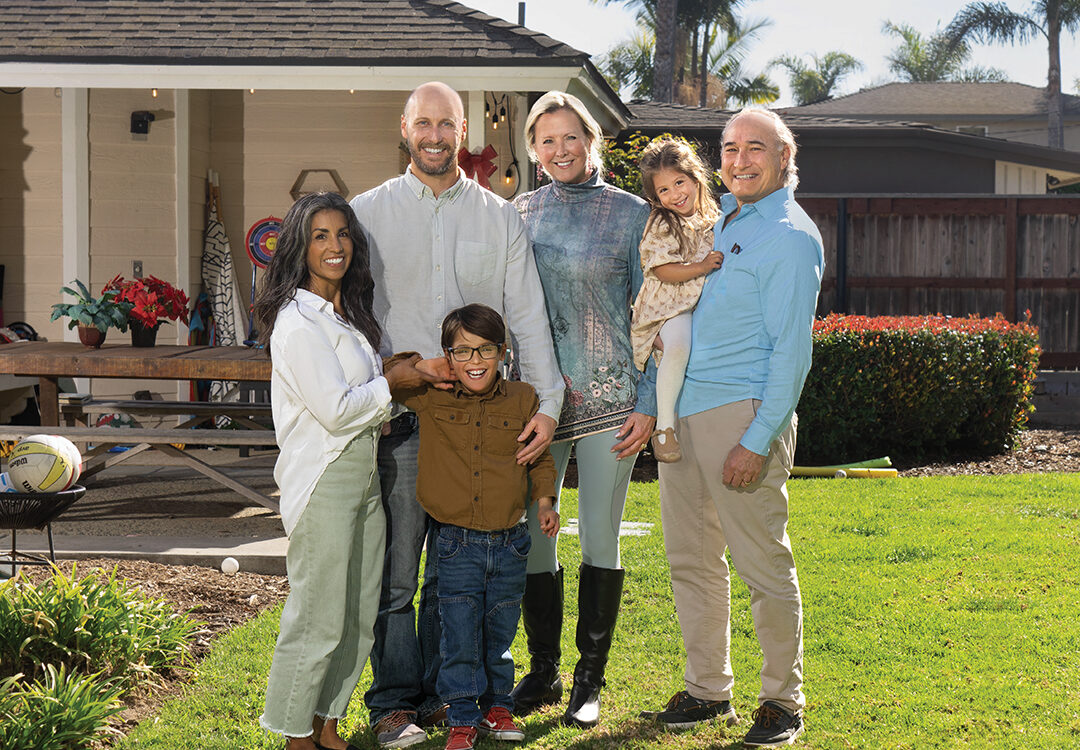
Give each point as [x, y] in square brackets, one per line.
[152, 301]
[93, 316]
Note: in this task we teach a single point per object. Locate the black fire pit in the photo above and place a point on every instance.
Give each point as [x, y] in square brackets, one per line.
[34, 510]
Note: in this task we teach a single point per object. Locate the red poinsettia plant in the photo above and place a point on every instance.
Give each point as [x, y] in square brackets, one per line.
[153, 300]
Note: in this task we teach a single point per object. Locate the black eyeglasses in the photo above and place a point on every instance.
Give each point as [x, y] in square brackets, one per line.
[464, 353]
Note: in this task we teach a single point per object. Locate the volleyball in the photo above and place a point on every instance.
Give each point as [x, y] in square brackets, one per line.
[5, 483]
[43, 463]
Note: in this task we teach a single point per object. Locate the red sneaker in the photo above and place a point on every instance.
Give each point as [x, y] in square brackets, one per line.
[499, 726]
[461, 738]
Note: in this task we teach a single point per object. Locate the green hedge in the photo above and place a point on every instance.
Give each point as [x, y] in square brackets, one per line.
[915, 388]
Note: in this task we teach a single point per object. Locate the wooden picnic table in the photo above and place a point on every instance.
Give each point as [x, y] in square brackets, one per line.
[49, 361]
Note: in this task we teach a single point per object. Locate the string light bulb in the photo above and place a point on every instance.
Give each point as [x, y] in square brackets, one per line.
[153, 93]
[251, 91]
[509, 176]
[502, 114]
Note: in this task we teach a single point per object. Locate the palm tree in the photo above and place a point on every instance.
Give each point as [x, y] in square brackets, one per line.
[725, 64]
[995, 22]
[933, 58]
[664, 14]
[810, 84]
[629, 65]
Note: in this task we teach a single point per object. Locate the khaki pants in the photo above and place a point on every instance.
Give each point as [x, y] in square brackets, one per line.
[702, 518]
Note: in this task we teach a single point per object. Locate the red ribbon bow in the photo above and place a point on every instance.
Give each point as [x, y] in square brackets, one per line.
[478, 166]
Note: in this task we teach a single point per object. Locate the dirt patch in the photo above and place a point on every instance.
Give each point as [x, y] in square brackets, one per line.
[220, 601]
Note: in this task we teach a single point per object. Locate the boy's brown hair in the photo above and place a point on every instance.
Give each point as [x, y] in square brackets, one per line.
[479, 320]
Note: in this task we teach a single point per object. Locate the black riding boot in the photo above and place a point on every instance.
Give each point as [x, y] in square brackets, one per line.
[599, 594]
[542, 612]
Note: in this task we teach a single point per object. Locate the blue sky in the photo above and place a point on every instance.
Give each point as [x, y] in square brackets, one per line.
[803, 27]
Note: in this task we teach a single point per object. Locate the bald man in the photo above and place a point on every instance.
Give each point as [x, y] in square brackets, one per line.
[438, 241]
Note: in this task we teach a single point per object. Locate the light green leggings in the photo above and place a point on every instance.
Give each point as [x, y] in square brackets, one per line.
[602, 484]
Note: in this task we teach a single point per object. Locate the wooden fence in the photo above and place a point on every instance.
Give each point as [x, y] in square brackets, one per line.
[916, 255]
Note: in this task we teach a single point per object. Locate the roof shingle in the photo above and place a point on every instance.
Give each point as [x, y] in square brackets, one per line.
[252, 32]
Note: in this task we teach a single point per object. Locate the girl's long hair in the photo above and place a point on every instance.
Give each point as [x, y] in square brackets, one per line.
[288, 270]
[669, 153]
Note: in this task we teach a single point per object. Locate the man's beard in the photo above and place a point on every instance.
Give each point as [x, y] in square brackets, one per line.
[435, 170]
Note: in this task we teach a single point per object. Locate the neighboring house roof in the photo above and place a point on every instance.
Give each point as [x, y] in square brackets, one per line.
[700, 122]
[657, 116]
[298, 32]
[942, 100]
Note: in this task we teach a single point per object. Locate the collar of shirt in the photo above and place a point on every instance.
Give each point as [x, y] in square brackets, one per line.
[498, 387]
[770, 207]
[323, 305]
[420, 190]
[575, 192]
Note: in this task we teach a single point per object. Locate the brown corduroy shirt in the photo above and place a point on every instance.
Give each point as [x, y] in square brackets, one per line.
[468, 475]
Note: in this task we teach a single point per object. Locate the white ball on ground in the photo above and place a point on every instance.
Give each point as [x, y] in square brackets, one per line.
[229, 566]
[840, 474]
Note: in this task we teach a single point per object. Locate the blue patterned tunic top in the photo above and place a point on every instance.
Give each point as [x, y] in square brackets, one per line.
[585, 238]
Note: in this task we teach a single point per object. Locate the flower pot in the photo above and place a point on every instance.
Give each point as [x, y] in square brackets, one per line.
[142, 335]
[91, 337]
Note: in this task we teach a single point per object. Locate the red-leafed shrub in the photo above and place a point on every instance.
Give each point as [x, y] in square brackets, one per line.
[915, 387]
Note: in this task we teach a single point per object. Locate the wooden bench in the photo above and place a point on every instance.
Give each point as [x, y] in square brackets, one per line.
[141, 439]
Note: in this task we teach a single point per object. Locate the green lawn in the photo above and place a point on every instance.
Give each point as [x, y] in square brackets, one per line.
[940, 612]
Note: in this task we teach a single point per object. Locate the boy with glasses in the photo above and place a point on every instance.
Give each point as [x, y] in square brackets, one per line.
[470, 483]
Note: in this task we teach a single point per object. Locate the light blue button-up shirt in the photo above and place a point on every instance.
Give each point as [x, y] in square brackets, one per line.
[431, 255]
[752, 326]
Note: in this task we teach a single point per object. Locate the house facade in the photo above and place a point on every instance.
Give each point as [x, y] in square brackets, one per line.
[257, 92]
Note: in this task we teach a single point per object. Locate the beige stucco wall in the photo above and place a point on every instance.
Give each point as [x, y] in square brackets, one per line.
[257, 142]
[31, 246]
[1013, 179]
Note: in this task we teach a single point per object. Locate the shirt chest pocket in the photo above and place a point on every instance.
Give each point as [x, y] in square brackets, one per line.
[474, 262]
[454, 424]
[500, 434]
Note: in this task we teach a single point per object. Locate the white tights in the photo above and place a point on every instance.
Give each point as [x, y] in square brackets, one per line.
[675, 334]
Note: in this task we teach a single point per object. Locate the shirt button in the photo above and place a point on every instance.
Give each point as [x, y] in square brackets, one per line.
[506, 424]
[477, 424]
[476, 447]
[438, 268]
[439, 298]
[476, 473]
[476, 499]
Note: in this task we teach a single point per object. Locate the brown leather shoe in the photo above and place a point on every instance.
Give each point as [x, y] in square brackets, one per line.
[665, 446]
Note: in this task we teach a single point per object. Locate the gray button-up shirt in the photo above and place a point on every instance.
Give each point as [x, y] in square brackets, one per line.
[431, 255]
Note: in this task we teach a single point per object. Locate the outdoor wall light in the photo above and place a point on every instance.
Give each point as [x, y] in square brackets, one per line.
[140, 122]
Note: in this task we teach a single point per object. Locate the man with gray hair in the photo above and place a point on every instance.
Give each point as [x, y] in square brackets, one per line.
[749, 356]
[438, 240]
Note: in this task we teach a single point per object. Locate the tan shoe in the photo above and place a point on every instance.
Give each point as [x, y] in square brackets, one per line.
[665, 446]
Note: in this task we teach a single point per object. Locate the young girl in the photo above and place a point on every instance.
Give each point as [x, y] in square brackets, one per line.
[676, 255]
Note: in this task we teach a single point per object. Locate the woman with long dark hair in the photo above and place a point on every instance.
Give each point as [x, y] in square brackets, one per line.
[330, 399]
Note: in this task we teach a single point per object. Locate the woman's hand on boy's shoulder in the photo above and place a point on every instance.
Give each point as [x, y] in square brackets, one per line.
[439, 370]
[408, 373]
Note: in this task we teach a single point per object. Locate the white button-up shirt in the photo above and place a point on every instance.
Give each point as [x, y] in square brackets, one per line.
[432, 255]
[325, 388]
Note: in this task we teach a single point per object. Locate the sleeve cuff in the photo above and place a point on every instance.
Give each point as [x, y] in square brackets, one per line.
[757, 438]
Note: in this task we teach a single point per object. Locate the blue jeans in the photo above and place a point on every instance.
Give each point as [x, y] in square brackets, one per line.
[481, 582]
[405, 655]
